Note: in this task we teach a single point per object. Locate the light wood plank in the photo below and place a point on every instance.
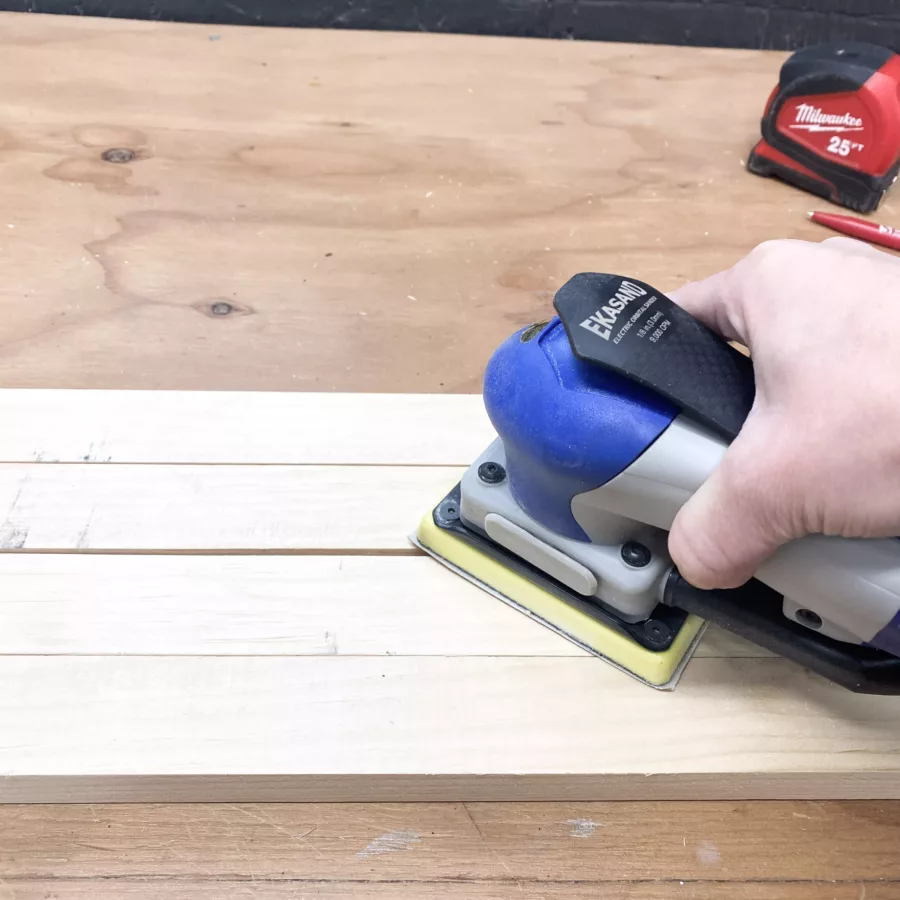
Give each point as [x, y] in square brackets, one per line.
[335, 728]
[215, 508]
[606, 846]
[77, 604]
[241, 427]
[273, 606]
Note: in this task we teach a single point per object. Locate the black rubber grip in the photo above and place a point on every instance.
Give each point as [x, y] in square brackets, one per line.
[754, 611]
[832, 67]
[635, 330]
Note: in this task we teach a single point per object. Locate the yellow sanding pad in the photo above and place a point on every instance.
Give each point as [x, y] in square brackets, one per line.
[659, 669]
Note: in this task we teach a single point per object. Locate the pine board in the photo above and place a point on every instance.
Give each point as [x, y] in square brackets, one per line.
[381, 729]
[216, 509]
[77, 604]
[259, 427]
[227, 625]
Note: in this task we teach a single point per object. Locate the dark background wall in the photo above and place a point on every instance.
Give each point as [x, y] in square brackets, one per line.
[768, 24]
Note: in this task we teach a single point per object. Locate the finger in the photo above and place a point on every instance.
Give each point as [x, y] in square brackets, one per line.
[709, 301]
[731, 524]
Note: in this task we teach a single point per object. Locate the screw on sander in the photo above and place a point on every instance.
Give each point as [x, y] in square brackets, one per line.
[832, 124]
[492, 473]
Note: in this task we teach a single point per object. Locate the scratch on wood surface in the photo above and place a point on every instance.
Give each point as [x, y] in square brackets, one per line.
[390, 842]
[95, 847]
[83, 535]
[189, 862]
[14, 534]
[708, 853]
[96, 451]
[582, 828]
[267, 820]
[493, 850]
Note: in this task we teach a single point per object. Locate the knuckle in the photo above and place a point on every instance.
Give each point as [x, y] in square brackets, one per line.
[842, 242]
[846, 245]
[779, 254]
[767, 252]
[761, 262]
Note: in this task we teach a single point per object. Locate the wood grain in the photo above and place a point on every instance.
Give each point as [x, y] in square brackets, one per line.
[216, 508]
[334, 728]
[330, 672]
[242, 427]
[76, 604]
[578, 841]
[359, 229]
[485, 851]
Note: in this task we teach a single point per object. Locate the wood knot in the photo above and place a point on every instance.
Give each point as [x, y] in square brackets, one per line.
[118, 155]
[219, 308]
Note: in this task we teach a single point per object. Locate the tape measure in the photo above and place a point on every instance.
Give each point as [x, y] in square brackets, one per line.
[832, 124]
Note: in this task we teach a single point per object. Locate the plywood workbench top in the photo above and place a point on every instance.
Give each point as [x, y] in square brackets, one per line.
[209, 596]
[346, 211]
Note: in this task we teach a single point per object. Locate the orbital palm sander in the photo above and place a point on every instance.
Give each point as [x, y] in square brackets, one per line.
[609, 416]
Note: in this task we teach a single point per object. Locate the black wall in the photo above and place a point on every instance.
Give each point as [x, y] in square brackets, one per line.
[768, 24]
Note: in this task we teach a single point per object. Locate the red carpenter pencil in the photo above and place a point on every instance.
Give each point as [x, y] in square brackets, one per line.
[862, 229]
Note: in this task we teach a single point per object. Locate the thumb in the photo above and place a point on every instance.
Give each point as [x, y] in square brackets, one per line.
[735, 520]
[715, 303]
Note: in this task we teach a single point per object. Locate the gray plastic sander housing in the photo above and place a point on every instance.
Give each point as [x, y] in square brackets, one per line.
[852, 586]
[593, 570]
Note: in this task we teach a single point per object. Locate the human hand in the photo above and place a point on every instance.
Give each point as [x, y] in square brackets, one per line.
[820, 450]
